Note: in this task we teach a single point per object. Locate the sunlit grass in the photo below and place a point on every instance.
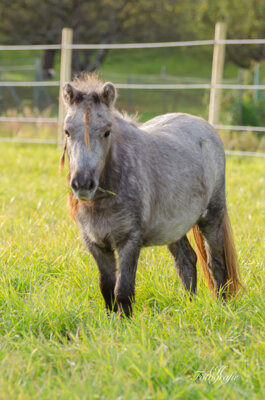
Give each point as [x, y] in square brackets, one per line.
[56, 340]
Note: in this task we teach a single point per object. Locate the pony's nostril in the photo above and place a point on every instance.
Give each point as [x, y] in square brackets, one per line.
[74, 184]
[91, 185]
[80, 183]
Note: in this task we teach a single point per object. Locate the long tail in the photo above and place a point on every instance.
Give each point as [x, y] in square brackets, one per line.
[232, 283]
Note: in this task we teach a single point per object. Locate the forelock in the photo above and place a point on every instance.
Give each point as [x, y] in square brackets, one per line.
[88, 84]
[91, 90]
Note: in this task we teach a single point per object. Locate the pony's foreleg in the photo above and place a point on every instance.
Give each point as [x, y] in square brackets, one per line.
[185, 263]
[106, 263]
[124, 291]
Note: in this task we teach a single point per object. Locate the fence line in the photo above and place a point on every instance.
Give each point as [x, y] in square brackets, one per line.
[29, 84]
[144, 86]
[62, 47]
[165, 44]
[132, 45]
[188, 86]
[31, 47]
[30, 119]
[244, 153]
[240, 128]
[28, 140]
[240, 41]
[123, 46]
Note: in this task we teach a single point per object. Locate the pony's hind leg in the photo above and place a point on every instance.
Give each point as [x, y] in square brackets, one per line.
[185, 262]
[212, 229]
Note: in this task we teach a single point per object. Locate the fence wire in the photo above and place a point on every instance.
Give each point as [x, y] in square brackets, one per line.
[134, 45]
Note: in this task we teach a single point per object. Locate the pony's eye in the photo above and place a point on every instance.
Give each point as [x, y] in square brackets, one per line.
[107, 133]
[67, 133]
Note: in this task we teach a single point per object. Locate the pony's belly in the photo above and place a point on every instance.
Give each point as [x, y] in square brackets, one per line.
[166, 232]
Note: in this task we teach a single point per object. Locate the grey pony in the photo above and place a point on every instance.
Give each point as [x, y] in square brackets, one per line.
[167, 176]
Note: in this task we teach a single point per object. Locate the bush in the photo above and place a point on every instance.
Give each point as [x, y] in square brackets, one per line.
[242, 109]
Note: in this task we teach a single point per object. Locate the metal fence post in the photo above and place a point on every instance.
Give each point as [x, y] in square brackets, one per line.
[65, 75]
[217, 73]
[256, 82]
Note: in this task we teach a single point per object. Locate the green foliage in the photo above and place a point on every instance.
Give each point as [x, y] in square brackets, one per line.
[244, 109]
[245, 19]
[108, 21]
[250, 112]
[57, 342]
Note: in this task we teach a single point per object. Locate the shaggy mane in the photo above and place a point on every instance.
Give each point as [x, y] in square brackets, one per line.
[132, 119]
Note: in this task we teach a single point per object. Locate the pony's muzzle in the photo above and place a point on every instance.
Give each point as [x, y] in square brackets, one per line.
[83, 187]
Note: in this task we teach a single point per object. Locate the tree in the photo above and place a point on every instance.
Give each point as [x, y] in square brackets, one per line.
[245, 20]
[94, 21]
[110, 21]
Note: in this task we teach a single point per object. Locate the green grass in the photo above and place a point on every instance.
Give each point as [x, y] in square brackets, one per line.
[56, 341]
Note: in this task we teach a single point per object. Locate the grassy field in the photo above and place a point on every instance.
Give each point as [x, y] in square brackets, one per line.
[56, 341]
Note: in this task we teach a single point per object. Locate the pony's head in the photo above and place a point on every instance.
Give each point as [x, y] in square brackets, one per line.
[87, 129]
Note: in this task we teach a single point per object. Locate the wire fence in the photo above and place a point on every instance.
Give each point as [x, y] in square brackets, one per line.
[29, 84]
[133, 86]
[144, 86]
[134, 45]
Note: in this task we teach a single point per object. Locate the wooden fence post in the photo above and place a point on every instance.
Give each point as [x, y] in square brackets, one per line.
[65, 76]
[217, 73]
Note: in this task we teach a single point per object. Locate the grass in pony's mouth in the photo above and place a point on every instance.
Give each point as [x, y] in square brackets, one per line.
[90, 202]
[98, 188]
[106, 191]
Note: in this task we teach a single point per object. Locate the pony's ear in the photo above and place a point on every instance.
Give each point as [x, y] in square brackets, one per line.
[71, 95]
[109, 93]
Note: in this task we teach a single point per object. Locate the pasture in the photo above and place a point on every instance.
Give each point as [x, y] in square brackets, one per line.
[57, 342]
